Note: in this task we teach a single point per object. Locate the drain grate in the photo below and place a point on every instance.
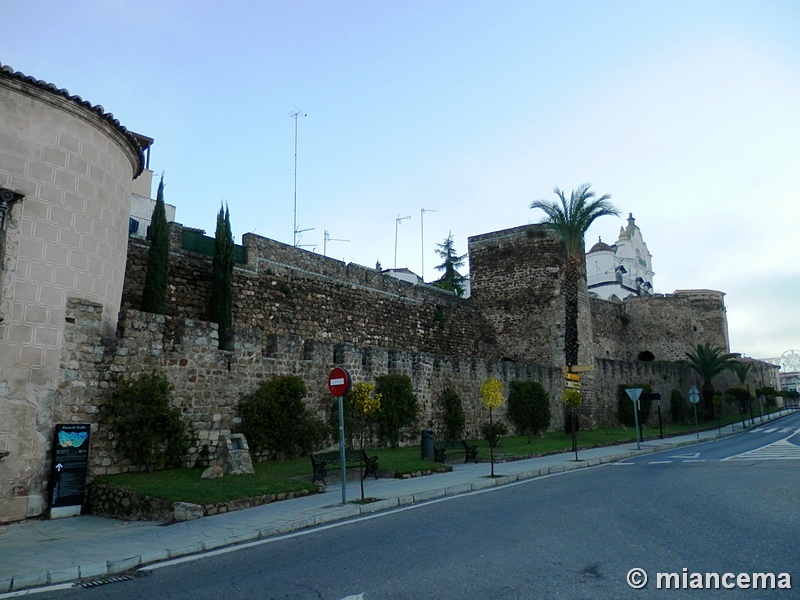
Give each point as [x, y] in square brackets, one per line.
[106, 580]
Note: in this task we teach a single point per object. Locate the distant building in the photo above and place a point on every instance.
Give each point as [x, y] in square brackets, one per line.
[142, 202]
[623, 269]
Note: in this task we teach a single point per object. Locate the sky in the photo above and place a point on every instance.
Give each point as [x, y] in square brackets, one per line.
[343, 117]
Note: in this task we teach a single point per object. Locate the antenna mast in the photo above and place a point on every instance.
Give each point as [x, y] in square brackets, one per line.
[327, 238]
[294, 115]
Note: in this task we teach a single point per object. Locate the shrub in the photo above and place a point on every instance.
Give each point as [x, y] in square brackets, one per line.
[398, 407]
[493, 433]
[625, 405]
[678, 408]
[147, 430]
[276, 421]
[454, 421]
[528, 408]
[741, 397]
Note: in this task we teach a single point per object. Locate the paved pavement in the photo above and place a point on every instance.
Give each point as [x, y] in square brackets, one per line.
[37, 553]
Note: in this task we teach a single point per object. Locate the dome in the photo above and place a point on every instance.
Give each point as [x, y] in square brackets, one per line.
[600, 246]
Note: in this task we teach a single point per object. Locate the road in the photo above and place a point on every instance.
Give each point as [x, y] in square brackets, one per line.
[729, 506]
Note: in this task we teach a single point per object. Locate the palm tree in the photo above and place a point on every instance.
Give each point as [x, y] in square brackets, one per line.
[709, 361]
[571, 220]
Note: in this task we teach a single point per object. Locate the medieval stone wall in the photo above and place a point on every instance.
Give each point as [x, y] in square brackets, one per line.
[516, 281]
[660, 328]
[209, 382]
[289, 291]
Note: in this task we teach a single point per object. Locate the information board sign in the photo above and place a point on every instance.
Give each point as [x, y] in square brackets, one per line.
[70, 464]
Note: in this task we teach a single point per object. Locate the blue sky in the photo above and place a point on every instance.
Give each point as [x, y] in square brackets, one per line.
[685, 112]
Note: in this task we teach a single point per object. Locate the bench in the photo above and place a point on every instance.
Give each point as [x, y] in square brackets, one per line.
[440, 450]
[352, 458]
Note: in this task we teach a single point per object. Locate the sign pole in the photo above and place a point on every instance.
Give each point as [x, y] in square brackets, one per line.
[694, 398]
[633, 394]
[341, 450]
[339, 383]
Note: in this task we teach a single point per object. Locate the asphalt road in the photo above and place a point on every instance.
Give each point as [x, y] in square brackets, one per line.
[730, 506]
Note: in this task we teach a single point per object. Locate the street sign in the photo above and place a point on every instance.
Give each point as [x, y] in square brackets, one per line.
[573, 385]
[578, 368]
[634, 393]
[339, 381]
[572, 376]
[694, 395]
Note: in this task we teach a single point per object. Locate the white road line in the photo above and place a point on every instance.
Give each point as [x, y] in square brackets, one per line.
[780, 450]
[660, 462]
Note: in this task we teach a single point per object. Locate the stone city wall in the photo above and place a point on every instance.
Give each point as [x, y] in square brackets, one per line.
[289, 291]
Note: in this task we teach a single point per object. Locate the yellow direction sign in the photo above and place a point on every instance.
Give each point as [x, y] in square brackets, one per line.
[573, 385]
[572, 376]
[579, 368]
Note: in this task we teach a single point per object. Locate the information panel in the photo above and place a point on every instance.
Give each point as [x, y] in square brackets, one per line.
[70, 463]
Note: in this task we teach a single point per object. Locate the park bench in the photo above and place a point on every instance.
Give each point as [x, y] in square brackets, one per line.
[352, 458]
[442, 449]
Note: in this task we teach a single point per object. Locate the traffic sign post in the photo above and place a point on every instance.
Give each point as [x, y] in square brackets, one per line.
[339, 383]
[694, 398]
[633, 394]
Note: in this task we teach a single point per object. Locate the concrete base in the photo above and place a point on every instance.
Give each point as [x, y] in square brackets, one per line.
[60, 512]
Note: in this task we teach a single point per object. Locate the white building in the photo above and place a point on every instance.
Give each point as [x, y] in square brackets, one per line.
[623, 269]
[142, 202]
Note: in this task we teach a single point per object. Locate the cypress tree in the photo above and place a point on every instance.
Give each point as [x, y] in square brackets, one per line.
[222, 276]
[154, 295]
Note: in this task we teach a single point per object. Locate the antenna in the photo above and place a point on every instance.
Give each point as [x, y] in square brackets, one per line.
[294, 115]
[327, 238]
[296, 231]
[422, 236]
[396, 225]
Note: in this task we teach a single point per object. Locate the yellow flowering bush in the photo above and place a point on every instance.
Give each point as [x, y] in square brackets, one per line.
[363, 400]
[492, 393]
[572, 398]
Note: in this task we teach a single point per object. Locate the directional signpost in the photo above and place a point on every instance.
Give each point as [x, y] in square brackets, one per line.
[694, 398]
[339, 383]
[633, 394]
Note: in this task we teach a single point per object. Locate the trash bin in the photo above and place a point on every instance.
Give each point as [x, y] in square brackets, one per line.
[427, 444]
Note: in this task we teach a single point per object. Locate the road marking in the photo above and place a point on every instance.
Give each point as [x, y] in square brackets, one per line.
[622, 464]
[695, 460]
[695, 455]
[660, 462]
[780, 450]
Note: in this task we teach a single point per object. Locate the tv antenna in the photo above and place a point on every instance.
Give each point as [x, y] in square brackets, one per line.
[327, 238]
[422, 236]
[294, 115]
[396, 225]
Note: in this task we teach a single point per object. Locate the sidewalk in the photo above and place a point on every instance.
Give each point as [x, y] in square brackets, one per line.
[41, 552]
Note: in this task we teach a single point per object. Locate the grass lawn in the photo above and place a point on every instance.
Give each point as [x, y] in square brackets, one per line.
[276, 477]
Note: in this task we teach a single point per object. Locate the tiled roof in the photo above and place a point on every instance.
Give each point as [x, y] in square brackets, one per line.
[8, 72]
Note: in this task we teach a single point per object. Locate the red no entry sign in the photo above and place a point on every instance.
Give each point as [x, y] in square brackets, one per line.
[339, 381]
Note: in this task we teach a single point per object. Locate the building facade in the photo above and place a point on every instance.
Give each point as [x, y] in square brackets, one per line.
[623, 269]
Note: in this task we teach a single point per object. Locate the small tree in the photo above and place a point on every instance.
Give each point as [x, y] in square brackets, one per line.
[678, 408]
[399, 406]
[454, 420]
[154, 294]
[529, 408]
[276, 421]
[492, 397]
[222, 278]
[147, 430]
[366, 405]
[451, 280]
